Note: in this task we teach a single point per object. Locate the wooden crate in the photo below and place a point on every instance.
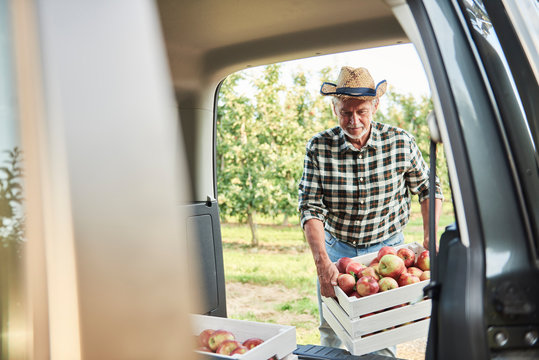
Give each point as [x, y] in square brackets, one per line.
[383, 320]
[380, 320]
[279, 340]
[377, 340]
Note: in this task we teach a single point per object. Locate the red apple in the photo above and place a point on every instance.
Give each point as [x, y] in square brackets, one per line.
[386, 250]
[252, 342]
[423, 260]
[346, 282]
[425, 275]
[374, 262]
[415, 271]
[217, 337]
[355, 294]
[367, 285]
[342, 263]
[376, 268]
[387, 283]
[407, 255]
[354, 268]
[391, 265]
[239, 350]
[226, 347]
[407, 279]
[204, 336]
[369, 271]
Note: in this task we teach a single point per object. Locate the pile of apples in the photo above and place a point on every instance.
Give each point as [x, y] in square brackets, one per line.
[224, 342]
[390, 269]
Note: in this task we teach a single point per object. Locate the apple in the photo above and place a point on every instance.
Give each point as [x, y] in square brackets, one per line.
[407, 255]
[376, 268]
[354, 268]
[387, 283]
[407, 279]
[425, 275]
[374, 262]
[252, 342]
[226, 347]
[415, 271]
[369, 271]
[367, 285]
[355, 294]
[423, 260]
[346, 282]
[239, 350]
[217, 337]
[386, 250]
[204, 336]
[342, 263]
[391, 265]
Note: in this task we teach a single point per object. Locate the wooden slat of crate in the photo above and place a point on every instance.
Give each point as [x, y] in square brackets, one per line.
[376, 341]
[360, 326]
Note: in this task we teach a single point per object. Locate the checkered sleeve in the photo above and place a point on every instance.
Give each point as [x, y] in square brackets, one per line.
[417, 176]
[311, 205]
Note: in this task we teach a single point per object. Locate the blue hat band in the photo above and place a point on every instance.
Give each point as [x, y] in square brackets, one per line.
[355, 91]
[351, 91]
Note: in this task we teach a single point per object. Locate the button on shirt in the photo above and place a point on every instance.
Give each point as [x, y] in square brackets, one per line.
[362, 195]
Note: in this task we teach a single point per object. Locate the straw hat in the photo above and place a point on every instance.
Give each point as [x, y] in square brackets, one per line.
[354, 82]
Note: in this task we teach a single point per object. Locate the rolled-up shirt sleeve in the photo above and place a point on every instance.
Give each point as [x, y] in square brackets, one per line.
[417, 176]
[311, 201]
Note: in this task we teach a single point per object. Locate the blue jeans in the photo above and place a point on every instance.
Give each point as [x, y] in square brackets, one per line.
[337, 249]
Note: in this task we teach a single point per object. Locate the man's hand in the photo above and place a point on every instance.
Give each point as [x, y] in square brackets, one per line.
[426, 242]
[327, 271]
[327, 276]
[425, 217]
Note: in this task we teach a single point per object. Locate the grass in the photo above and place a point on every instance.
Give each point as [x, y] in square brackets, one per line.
[299, 306]
[283, 264]
[293, 271]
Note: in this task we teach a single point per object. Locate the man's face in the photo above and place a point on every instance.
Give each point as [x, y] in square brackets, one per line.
[355, 117]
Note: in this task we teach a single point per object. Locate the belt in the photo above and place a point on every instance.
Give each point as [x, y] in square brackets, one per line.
[362, 246]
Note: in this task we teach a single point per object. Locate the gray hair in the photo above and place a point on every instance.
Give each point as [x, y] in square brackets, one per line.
[337, 100]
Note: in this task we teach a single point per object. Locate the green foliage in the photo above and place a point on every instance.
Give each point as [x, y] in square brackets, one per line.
[261, 141]
[410, 114]
[11, 212]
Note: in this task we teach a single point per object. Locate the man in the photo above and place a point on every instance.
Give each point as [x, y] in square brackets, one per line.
[358, 177]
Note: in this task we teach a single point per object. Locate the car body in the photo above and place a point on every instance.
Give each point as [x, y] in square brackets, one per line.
[115, 106]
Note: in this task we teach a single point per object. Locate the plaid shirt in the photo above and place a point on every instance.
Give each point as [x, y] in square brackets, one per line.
[362, 196]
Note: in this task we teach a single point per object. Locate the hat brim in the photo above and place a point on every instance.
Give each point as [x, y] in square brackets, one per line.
[330, 89]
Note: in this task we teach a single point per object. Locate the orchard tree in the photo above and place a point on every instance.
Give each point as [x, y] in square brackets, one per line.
[252, 147]
[410, 114]
[261, 143]
[239, 168]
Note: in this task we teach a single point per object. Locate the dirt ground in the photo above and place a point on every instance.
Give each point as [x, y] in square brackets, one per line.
[261, 302]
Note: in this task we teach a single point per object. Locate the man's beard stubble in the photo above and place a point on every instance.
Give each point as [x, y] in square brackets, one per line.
[356, 137]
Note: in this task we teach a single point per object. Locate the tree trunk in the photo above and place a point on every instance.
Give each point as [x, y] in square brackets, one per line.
[285, 220]
[252, 225]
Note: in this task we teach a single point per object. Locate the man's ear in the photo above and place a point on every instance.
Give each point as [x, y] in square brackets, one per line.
[334, 108]
[375, 104]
